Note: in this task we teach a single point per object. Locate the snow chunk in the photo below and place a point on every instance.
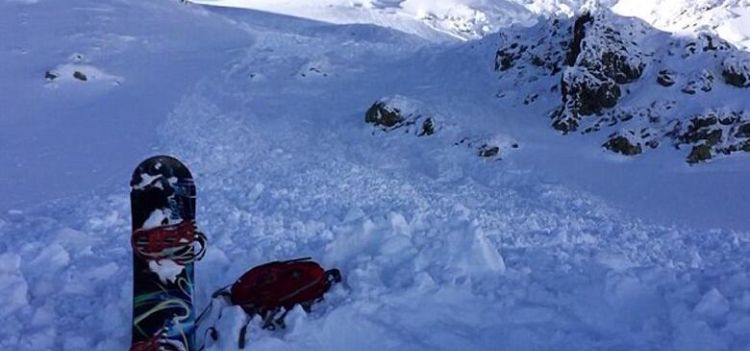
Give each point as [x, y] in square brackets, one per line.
[156, 218]
[713, 305]
[167, 270]
[147, 180]
[52, 257]
[13, 286]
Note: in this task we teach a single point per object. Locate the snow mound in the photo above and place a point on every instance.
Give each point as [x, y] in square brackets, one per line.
[80, 73]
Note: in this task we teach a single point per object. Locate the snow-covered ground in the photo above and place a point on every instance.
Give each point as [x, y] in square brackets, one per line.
[544, 248]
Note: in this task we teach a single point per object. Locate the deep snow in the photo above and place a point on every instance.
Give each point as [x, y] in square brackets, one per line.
[441, 250]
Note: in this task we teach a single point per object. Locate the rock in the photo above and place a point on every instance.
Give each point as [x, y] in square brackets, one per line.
[665, 78]
[743, 131]
[620, 68]
[380, 114]
[713, 134]
[579, 32]
[506, 56]
[50, 76]
[608, 52]
[700, 153]
[622, 145]
[540, 48]
[488, 151]
[401, 113]
[80, 76]
[428, 128]
[700, 129]
[583, 94]
[736, 70]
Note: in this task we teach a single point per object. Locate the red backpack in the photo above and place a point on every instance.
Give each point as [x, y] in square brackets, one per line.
[271, 290]
[282, 284]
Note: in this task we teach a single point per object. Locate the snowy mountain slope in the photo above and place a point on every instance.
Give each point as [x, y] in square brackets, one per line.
[471, 19]
[85, 133]
[730, 19]
[433, 20]
[442, 250]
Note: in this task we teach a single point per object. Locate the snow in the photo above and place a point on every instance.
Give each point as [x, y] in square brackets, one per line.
[546, 248]
[167, 270]
[728, 18]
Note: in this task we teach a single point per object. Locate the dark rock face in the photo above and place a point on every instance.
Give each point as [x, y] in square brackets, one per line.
[583, 94]
[579, 32]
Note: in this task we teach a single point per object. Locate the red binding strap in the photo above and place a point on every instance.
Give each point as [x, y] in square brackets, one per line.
[162, 242]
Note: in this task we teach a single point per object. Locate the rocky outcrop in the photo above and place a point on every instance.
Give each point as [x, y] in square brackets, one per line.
[400, 113]
[622, 145]
[736, 70]
[409, 116]
[643, 87]
[599, 59]
[713, 134]
[583, 94]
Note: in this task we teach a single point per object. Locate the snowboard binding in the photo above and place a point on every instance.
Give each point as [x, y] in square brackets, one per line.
[174, 242]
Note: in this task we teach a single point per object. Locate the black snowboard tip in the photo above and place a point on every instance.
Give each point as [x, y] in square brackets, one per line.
[163, 165]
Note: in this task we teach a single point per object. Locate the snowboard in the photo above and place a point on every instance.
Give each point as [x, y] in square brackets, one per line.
[165, 245]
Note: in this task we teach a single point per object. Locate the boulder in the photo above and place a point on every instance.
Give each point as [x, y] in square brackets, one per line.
[380, 114]
[80, 76]
[401, 113]
[622, 145]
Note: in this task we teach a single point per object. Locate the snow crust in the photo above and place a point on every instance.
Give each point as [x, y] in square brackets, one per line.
[441, 250]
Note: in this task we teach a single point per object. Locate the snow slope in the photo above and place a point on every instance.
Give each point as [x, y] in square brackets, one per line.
[728, 18]
[471, 19]
[441, 249]
[63, 135]
[433, 20]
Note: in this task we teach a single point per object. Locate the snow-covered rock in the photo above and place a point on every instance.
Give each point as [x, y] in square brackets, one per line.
[623, 76]
[399, 112]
